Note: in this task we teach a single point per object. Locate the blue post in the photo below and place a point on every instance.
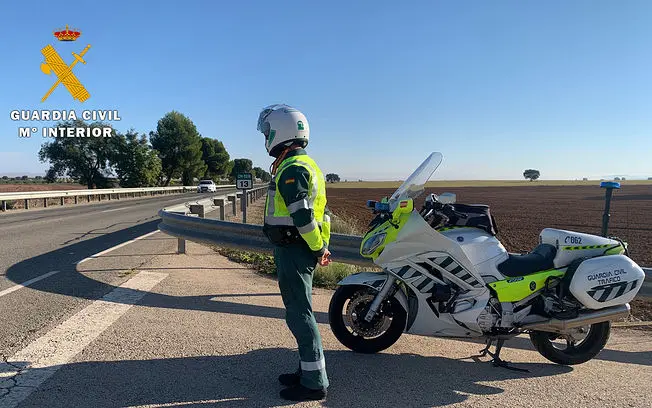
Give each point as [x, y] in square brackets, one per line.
[609, 185]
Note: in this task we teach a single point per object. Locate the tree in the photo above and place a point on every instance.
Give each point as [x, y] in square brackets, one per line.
[86, 160]
[241, 166]
[136, 164]
[262, 174]
[229, 168]
[5, 177]
[531, 174]
[332, 178]
[215, 156]
[179, 147]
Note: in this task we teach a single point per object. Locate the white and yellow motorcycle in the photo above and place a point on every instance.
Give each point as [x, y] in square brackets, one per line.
[445, 274]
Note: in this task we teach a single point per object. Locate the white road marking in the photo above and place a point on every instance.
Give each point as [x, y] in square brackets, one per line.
[26, 283]
[118, 209]
[106, 251]
[179, 404]
[34, 364]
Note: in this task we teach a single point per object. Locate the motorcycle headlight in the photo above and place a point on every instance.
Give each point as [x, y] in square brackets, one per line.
[373, 243]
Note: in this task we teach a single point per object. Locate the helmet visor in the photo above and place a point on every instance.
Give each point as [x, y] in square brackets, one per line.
[262, 126]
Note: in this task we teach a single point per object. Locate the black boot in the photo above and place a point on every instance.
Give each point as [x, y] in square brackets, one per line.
[290, 379]
[301, 393]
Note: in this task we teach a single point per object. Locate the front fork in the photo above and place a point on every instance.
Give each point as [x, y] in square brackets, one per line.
[387, 290]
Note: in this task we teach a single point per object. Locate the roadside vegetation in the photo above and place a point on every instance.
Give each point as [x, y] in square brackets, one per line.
[324, 277]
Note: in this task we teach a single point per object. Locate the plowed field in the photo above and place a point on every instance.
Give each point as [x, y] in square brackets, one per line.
[522, 212]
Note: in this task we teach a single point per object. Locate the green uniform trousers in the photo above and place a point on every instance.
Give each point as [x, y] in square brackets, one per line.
[295, 265]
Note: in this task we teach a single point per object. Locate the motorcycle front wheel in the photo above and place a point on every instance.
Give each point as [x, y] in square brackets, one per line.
[346, 313]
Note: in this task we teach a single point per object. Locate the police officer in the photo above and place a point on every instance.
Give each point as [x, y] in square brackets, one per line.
[297, 222]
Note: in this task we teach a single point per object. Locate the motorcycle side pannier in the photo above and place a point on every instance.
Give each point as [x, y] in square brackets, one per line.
[606, 281]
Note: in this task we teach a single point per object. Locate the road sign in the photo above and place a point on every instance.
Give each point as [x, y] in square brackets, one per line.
[244, 181]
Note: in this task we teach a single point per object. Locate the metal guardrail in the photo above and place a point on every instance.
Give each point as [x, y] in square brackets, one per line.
[99, 193]
[84, 192]
[187, 221]
[176, 221]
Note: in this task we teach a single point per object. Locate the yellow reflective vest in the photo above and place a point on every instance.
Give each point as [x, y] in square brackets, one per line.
[296, 198]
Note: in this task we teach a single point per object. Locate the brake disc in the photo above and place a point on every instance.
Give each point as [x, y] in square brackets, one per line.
[357, 309]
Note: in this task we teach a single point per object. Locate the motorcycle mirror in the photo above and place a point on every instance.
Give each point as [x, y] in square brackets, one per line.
[447, 198]
[432, 198]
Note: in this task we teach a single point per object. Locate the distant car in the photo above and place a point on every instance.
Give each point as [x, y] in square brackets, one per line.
[206, 186]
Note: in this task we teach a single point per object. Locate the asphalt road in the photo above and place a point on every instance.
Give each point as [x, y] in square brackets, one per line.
[197, 330]
[52, 241]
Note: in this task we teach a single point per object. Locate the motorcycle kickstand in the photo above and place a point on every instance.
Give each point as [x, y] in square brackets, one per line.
[496, 360]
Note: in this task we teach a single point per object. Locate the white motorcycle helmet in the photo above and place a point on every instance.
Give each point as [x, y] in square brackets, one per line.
[282, 125]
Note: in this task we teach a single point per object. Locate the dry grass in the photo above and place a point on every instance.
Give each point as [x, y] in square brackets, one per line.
[324, 277]
[20, 188]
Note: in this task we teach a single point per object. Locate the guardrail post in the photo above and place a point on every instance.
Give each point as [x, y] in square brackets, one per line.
[197, 209]
[239, 199]
[4, 205]
[76, 200]
[232, 199]
[181, 246]
[27, 204]
[220, 203]
[45, 202]
[243, 206]
[63, 201]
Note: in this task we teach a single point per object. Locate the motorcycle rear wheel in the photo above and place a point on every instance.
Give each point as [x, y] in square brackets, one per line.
[383, 331]
[589, 347]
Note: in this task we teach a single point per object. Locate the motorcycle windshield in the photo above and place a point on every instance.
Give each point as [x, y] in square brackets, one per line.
[414, 185]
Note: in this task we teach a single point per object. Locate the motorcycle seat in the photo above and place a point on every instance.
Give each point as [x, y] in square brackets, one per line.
[539, 259]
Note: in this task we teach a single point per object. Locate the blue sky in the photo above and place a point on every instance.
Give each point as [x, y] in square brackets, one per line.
[496, 86]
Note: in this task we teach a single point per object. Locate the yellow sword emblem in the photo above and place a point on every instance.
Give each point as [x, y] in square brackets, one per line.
[53, 62]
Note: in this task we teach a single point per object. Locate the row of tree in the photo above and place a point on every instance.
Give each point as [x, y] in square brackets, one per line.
[21, 178]
[176, 150]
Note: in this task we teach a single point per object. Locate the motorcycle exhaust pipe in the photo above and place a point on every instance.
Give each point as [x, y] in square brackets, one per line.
[584, 319]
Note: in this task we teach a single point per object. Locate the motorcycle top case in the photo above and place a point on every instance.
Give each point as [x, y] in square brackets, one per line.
[606, 281]
[573, 245]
